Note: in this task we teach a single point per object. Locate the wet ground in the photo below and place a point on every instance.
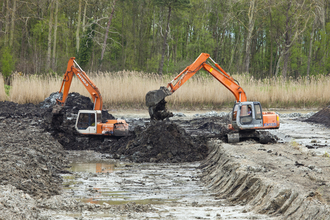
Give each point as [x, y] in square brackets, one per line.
[51, 173]
[174, 191]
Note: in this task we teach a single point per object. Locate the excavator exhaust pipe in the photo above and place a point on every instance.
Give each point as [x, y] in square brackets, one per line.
[155, 96]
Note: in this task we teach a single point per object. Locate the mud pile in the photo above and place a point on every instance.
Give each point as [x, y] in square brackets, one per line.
[14, 110]
[321, 117]
[30, 158]
[161, 142]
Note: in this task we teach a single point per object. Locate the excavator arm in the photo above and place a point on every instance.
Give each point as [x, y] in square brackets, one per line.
[74, 68]
[156, 96]
[217, 72]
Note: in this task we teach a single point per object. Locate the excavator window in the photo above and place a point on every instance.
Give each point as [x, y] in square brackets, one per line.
[99, 118]
[85, 120]
[246, 114]
[257, 109]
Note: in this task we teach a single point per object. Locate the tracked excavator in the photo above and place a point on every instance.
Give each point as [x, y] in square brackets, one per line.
[247, 116]
[89, 122]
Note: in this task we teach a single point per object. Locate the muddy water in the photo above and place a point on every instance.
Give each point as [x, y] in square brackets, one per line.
[313, 138]
[173, 190]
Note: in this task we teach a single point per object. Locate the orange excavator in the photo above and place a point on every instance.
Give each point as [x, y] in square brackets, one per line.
[89, 122]
[247, 116]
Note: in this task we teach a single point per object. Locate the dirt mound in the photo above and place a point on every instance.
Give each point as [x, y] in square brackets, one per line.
[14, 110]
[321, 117]
[164, 142]
[30, 158]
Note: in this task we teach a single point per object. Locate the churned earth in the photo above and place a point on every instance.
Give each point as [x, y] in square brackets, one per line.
[162, 170]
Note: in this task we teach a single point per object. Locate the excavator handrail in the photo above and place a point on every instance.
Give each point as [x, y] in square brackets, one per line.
[84, 79]
[217, 72]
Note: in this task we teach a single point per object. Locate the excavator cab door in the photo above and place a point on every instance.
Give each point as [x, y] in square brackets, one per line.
[247, 115]
[86, 122]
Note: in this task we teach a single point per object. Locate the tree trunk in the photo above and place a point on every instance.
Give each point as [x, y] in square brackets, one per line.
[271, 43]
[310, 50]
[49, 47]
[107, 32]
[78, 27]
[84, 16]
[161, 64]
[278, 65]
[2, 12]
[55, 35]
[7, 22]
[251, 16]
[287, 43]
[11, 39]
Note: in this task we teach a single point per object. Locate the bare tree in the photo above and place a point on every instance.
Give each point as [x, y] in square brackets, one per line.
[107, 32]
[318, 20]
[50, 27]
[78, 27]
[297, 15]
[55, 36]
[251, 17]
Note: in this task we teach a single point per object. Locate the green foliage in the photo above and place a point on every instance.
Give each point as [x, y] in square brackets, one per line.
[7, 63]
[136, 36]
[176, 4]
[7, 89]
[86, 46]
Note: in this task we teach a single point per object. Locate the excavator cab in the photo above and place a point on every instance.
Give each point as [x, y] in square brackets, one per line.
[247, 115]
[90, 122]
[87, 121]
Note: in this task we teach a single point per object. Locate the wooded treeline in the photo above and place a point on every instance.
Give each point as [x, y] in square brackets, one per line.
[265, 38]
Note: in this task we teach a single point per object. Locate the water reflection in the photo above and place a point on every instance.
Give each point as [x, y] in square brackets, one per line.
[92, 167]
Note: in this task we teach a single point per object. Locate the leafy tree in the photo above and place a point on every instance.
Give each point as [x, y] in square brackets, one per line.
[169, 4]
[86, 46]
[7, 64]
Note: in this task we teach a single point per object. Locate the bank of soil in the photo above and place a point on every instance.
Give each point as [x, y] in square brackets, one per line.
[321, 117]
[277, 179]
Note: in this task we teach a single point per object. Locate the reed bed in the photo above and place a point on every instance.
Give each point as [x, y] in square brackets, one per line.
[127, 89]
[3, 95]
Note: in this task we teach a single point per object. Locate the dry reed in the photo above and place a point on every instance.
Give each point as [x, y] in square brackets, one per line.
[127, 89]
[3, 95]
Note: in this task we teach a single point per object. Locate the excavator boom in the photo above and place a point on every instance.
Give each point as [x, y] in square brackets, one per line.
[74, 69]
[155, 96]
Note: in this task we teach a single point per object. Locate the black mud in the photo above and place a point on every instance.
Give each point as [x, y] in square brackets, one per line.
[31, 159]
[321, 117]
[160, 112]
[160, 142]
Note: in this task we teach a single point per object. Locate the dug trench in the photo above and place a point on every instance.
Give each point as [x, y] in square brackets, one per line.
[276, 179]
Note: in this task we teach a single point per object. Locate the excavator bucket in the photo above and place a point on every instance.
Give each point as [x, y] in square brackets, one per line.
[155, 96]
[155, 100]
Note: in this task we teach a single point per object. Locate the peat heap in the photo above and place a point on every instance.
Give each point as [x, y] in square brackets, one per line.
[321, 117]
[160, 142]
[62, 124]
[30, 159]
